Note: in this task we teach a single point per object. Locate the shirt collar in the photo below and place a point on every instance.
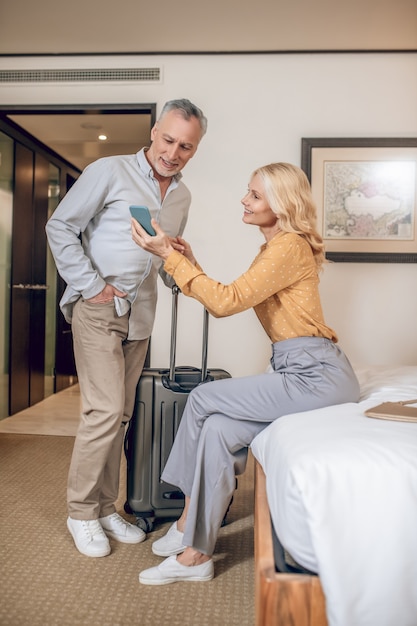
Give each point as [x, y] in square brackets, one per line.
[147, 168]
[279, 234]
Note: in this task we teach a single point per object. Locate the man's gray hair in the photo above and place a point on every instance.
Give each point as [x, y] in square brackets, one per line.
[187, 109]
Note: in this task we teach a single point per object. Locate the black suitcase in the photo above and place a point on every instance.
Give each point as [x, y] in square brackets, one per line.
[160, 400]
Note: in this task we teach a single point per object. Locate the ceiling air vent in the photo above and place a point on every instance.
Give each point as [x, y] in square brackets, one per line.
[142, 74]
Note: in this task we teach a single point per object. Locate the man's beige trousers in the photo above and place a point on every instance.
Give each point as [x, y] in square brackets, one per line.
[108, 369]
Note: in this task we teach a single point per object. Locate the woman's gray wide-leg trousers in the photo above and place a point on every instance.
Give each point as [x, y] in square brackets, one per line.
[221, 418]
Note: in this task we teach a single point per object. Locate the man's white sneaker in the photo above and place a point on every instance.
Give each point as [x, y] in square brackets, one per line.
[89, 537]
[171, 571]
[170, 544]
[118, 528]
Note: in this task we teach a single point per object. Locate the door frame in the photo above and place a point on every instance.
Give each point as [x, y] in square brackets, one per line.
[65, 373]
[26, 387]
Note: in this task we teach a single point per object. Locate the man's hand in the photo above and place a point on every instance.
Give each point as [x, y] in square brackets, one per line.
[107, 295]
[160, 244]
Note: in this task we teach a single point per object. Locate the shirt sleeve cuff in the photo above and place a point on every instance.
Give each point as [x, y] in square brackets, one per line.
[180, 268]
[172, 262]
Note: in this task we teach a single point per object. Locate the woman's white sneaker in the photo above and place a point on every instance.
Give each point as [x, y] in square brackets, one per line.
[170, 544]
[171, 571]
[119, 529]
[89, 537]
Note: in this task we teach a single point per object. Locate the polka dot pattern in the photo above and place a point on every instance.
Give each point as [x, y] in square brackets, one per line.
[281, 285]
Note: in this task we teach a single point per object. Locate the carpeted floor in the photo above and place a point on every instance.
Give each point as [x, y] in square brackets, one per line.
[45, 581]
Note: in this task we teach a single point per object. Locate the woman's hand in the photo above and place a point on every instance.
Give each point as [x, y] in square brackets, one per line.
[184, 247]
[160, 244]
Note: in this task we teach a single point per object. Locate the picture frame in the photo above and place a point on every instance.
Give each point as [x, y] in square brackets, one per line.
[365, 190]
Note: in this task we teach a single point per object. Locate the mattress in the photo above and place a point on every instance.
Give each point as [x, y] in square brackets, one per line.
[342, 492]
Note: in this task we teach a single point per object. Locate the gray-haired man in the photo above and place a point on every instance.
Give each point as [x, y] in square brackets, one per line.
[110, 301]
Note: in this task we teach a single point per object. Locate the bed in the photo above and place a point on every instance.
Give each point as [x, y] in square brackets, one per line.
[337, 492]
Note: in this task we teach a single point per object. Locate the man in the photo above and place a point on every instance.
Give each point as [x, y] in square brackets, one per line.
[110, 301]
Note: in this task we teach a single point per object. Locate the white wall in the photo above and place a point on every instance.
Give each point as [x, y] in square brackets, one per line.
[259, 107]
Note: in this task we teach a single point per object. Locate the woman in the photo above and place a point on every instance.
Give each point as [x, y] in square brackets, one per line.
[221, 418]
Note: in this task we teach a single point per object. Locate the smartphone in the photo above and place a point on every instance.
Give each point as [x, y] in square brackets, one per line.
[143, 216]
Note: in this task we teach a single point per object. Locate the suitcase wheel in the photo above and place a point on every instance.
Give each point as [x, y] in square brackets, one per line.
[145, 523]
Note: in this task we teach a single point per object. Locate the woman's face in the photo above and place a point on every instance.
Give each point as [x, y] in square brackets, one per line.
[257, 210]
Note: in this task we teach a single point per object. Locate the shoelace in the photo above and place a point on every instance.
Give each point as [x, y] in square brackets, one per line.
[92, 527]
[117, 519]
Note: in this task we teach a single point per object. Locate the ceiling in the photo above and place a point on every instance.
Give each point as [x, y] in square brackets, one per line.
[143, 27]
[74, 136]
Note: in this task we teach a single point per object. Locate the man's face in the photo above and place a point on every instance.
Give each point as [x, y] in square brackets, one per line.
[174, 142]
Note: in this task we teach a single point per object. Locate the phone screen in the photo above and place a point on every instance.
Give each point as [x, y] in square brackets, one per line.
[143, 216]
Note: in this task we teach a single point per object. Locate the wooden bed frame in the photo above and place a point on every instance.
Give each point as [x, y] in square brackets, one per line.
[281, 599]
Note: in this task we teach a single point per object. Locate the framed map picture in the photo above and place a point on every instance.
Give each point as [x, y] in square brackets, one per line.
[366, 196]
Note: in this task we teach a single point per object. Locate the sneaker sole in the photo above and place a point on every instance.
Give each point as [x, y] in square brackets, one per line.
[105, 552]
[176, 579]
[116, 537]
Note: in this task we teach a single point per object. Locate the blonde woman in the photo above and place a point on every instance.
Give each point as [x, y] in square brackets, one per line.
[221, 418]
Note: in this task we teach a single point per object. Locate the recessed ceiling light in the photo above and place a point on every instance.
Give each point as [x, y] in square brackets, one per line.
[102, 137]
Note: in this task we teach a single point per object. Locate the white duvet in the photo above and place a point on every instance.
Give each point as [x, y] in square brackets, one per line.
[342, 491]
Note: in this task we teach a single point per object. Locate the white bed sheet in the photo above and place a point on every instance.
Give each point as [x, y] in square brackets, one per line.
[342, 491]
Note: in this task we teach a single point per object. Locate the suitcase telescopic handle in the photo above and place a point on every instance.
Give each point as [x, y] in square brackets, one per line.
[174, 321]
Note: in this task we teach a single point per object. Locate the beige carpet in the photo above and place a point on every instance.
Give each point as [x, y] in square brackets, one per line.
[44, 581]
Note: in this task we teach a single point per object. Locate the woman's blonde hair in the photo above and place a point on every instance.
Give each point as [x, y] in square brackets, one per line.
[289, 195]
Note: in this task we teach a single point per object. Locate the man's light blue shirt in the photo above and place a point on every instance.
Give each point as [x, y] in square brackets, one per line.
[97, 208]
